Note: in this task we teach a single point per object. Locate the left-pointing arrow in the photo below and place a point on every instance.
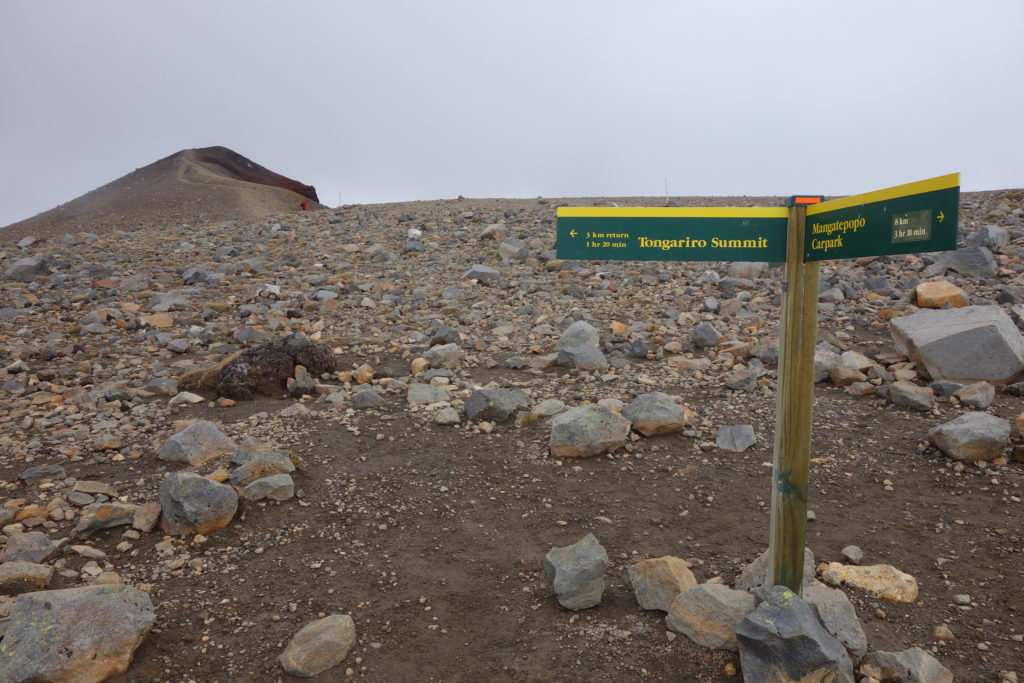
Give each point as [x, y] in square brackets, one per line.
[573, 233]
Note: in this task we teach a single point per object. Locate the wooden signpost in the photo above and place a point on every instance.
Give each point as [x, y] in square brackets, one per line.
[913, 218]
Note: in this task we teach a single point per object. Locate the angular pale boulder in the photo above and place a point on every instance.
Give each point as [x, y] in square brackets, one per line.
[978, 395]
[938, 294]
[587, 430]
[657, 582]
[707, 614]
[965, 345]
[513, 249]
[856, 360]
[908, 666]
[882, 580]
[844, 376]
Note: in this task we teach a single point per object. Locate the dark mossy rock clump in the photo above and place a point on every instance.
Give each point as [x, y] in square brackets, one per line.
[265, 369]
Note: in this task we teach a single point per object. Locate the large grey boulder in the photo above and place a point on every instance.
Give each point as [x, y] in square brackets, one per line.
[77, 634]
[193, 504]
[198, 443]
[782, 641]
[909, 666]
[965, 345]
[319, 645]
[495, 404]
[837, 614]
[580, 333]
[972, 437]
[587, 430]
[707, 614]
[655, 413]
[27, 269]
[576, 572]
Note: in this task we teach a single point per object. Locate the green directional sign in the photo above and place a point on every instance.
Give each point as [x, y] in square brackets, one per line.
[912, 218]
[906, 219]
[672, 234]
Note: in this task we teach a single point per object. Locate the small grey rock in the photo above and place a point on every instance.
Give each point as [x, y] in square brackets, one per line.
[577, 572]
[580, 333]
[197, 444]
[853, 554]
[705, 335]
[909, 666]
[275, 487]
[735, 438]
[495, 404]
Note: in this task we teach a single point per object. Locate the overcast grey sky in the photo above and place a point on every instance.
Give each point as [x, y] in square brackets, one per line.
[387, 101]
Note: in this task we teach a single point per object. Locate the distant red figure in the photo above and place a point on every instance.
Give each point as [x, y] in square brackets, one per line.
[305, 203]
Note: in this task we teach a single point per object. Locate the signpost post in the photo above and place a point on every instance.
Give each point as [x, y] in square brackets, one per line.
[912, 218]
[794, 403]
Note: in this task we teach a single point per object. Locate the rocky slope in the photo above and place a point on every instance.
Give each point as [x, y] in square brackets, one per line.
[408, 492]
